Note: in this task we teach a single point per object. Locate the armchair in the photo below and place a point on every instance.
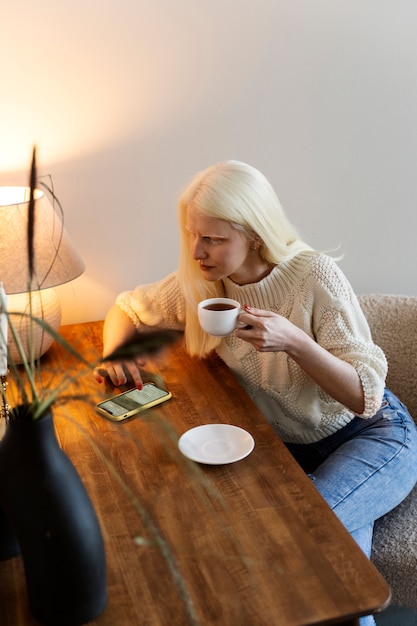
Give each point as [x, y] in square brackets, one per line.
[393, 323]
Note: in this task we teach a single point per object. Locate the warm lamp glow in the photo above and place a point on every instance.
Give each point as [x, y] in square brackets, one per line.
[15, 195]
[55, 262]
[140, 83]
[55, 259]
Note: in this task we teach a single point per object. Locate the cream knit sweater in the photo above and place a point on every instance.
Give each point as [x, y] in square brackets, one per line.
[310, 291]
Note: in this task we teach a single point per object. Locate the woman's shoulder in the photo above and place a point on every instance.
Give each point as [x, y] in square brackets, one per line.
[316, 264]
[320, 265]
[156, 303]
[322, 272]
[303, 271]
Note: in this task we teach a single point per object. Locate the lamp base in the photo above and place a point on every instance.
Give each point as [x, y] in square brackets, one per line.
[46, 306]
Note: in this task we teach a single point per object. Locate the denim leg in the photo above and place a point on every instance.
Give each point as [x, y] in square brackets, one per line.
[367, 621]
[365, 470]
[371, 473]
[363, 537]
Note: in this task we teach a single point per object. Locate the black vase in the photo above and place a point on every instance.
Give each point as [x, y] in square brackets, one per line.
[9, 546]
[47, 506]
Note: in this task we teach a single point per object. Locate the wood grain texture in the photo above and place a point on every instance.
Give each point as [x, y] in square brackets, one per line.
[250, 543]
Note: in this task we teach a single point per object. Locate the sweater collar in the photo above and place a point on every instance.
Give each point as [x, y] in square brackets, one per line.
[273, 288]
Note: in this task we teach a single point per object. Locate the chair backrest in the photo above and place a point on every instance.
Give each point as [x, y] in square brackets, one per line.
[393, 323]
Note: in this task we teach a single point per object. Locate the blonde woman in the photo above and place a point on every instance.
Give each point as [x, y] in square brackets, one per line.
[305, 356]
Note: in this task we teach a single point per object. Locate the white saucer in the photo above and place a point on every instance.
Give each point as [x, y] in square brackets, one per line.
[216, 444]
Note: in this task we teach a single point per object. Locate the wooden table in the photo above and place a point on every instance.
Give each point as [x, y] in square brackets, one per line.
[250, 543]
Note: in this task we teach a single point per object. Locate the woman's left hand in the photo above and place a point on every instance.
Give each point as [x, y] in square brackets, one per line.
[266, 331]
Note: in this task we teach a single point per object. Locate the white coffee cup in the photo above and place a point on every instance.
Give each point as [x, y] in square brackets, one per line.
[219, 316]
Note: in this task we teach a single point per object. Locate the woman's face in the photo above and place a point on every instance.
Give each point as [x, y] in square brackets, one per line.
[220, 250]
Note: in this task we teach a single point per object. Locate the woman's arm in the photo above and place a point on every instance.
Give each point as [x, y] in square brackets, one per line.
[336, 377]
[270, 332]
[154, 306]
[118, 329]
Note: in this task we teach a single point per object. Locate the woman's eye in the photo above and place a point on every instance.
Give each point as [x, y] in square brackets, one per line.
[212, 240]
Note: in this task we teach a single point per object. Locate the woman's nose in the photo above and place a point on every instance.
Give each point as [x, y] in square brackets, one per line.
[198, 250]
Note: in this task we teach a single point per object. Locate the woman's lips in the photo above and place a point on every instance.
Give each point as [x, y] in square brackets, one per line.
[209, 272]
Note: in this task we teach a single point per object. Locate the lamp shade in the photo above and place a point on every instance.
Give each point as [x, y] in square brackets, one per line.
[55, 259]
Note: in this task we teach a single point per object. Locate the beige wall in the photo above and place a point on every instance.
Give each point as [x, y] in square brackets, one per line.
[127, 100]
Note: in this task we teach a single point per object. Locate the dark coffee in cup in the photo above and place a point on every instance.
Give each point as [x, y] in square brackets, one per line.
[219, 306]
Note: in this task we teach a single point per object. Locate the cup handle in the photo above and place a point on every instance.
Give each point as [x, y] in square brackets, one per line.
[242, 324]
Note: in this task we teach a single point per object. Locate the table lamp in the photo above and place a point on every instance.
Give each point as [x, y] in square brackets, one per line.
[55, 262]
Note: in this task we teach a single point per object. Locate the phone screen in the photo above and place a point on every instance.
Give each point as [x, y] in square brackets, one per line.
[133, 401]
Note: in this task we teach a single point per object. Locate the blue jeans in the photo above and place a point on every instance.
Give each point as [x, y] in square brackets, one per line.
[365, 469]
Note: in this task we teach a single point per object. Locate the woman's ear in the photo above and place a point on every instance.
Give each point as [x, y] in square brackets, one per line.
[257, 243]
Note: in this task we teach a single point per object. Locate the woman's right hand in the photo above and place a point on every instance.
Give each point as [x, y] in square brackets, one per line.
[119, 371]
[118, 329]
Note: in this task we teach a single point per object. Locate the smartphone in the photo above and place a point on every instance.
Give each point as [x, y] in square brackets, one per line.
[131, 402]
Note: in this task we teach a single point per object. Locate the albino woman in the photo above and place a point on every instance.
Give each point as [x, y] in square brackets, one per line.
[306, 355]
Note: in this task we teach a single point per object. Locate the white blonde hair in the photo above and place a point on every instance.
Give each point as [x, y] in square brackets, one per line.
[241, 195]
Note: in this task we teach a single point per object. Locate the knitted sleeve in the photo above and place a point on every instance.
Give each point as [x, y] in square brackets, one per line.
[158, 304]
[340, 327]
